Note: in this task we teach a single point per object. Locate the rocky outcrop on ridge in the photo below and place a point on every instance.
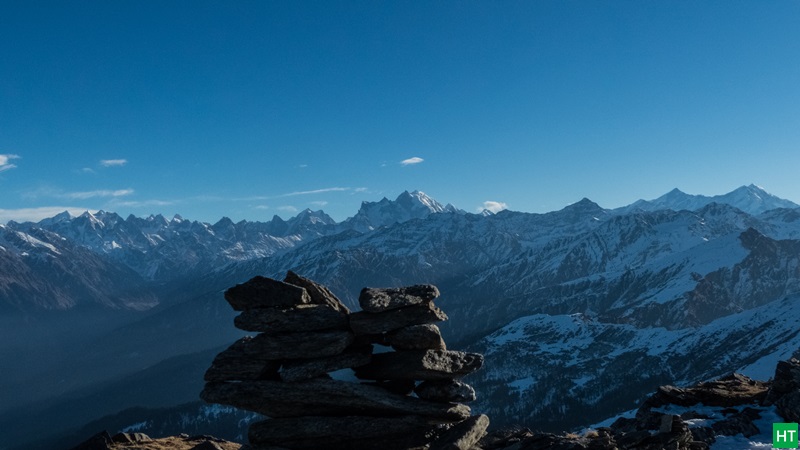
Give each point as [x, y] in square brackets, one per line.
[694, 418]
[140, 441]
[409, 396]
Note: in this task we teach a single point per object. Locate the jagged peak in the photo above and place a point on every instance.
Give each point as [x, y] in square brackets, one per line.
[225, 221]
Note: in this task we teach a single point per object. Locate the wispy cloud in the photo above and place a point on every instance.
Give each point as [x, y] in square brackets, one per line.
[98, 193]
[287, 208]
[262, 207]
[113, 162]
[361, 189]
[143, 203]
[5, 163]
[87, 170]
[492, 206]
[37, 214]
[316, 191]
[319, 203]
[303, 166]
[410, 161]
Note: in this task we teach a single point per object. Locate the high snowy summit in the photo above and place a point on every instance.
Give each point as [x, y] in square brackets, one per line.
[407, 206]
[751, 199]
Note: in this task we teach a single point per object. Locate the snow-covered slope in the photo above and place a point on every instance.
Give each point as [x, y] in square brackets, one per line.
[562, 371]
[40, 270]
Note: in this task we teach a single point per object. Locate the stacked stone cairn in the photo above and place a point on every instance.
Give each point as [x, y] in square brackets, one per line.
[408, 398]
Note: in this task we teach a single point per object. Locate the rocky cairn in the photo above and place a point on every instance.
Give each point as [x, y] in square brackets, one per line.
[409, 397]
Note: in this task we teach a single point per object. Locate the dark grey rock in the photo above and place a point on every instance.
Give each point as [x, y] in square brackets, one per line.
[703, 434]
[319, 294]
[297, 318]
[417, 337]
[420, 365]
[399, 387]
[464, 435]
[786, 379]
[384, 299]
[376, 323]
[349, 432]
[312, 344]
[304, 369]
[100, 441]
[236, 363]
[130, 438]
[731, 390]
[678, 437]
[789, 406]
[446, 391]
[322, 397]
[738, 423]
[207, 445]
[262, 292]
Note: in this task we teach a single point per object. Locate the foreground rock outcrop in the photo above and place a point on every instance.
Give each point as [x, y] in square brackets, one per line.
[407, 396]
[732, 408]
[140, 441]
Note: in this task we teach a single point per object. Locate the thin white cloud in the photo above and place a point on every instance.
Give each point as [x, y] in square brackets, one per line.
[287, 208]
[113, 162]
[303, 166]
[319, 203]
[98, 193]
[5, 163]
[87, 170]
[361, 189]
[143, 203]
[37, 214]
[492, 206]
[262, 207]
[410, 161]
[316, 191]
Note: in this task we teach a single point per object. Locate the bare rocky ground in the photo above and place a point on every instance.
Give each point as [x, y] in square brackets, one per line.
[139, 441]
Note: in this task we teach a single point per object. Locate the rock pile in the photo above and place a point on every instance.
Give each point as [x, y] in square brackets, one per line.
[410, 397]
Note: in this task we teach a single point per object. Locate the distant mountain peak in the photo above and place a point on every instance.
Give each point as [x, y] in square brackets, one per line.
[752, 199]
[408, 205]
[584, 205]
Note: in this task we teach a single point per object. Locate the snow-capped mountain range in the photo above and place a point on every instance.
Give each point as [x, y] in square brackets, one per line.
[575, 308]
[751, 199]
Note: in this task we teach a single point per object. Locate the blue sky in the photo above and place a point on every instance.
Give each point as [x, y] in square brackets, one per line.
[252, 108]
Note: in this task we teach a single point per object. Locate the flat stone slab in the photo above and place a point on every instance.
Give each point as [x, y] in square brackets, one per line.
[262, 292]
[304, 369]
[265, 347]
[233, 364]
[320, 295]
[325, 397]
[385, 299]
[446, 391]
[348, 432]
[420, 365]
[376, 323]
[464, 435]
[281, 320]
[400, 387]
[417, 337]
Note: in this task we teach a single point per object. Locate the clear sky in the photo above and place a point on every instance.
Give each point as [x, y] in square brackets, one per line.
[247, 109]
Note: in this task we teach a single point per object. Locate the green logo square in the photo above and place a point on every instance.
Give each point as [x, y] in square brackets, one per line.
[784, 435]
